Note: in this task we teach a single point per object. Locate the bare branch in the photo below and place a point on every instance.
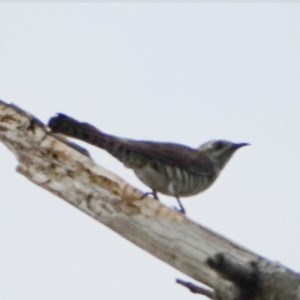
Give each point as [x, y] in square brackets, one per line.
[67, 171]
[196, 289]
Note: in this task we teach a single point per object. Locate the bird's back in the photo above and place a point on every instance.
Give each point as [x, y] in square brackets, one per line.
[134, 153]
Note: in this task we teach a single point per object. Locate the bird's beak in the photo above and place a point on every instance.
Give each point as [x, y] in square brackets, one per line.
[239, 145]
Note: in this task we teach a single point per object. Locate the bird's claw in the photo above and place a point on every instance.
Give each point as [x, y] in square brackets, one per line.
[180, 210]
[154, 194]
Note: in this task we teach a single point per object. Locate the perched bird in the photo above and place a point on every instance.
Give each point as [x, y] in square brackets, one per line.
[168, 168]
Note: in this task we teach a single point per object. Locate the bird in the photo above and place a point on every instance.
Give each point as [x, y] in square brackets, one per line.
[167, 168]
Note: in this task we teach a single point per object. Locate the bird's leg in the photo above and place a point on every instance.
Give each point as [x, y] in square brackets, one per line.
[153, 193]
[181, 208]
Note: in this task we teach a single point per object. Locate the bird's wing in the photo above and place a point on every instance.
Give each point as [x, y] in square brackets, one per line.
[170, 153]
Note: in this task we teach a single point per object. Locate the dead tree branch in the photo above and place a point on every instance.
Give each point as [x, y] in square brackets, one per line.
[58, 166]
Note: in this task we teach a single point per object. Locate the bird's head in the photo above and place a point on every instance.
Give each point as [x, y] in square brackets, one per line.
[220, 151]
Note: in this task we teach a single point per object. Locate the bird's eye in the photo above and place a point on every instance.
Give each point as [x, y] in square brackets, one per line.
[218, 145]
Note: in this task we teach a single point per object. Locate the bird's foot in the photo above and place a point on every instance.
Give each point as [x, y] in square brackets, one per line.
[181, 210]
[153, 193]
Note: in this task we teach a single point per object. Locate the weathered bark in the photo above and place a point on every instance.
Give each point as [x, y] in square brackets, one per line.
[54, 164]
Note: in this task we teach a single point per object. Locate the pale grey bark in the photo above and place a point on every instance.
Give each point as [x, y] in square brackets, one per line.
[52, 163]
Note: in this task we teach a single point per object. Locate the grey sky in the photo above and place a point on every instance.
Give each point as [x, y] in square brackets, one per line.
[160, 71]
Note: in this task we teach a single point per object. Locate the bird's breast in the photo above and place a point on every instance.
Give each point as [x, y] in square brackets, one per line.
[172, 180]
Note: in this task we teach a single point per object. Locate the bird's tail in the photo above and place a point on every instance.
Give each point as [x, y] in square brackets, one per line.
[81, 131]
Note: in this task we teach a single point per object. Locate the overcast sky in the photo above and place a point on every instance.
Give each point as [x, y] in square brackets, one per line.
[175, 72]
